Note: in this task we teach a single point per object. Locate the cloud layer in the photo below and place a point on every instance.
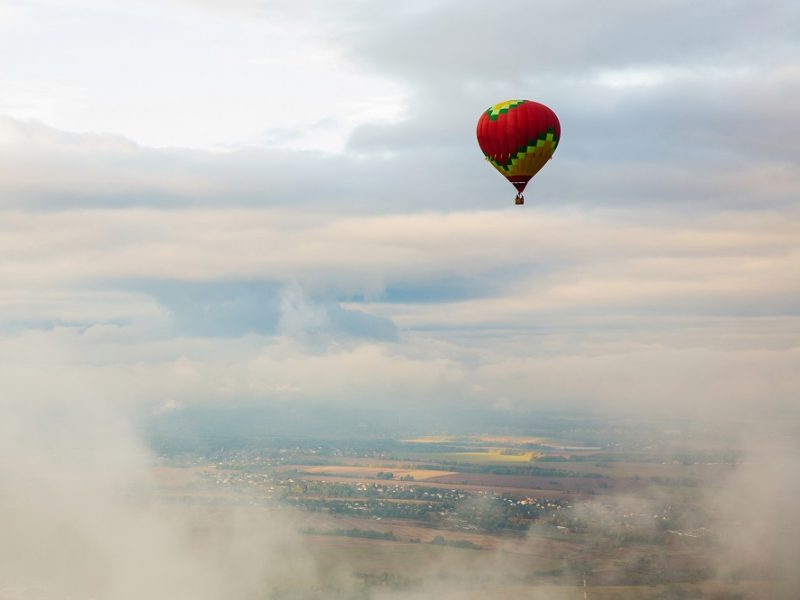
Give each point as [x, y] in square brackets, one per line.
[655, 258]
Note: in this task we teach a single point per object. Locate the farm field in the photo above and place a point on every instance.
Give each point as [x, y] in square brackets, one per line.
[641, 474]
[574, 485]
[550, 486]
[480, 486]
[524, 564]
[750, 590]
[491, 456]
[699, 471]
[497, 572]
[483, 440]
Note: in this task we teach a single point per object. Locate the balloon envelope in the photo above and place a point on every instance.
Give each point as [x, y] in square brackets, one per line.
[518, 137]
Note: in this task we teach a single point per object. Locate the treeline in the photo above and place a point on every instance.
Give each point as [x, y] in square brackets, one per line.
[371, 534]
[355, 532]
[441, 541]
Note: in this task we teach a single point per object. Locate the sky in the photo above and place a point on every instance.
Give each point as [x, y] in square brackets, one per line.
[282, 203]
[245, 202]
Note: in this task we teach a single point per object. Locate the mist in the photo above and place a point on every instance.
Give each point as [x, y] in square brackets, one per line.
[85, 514]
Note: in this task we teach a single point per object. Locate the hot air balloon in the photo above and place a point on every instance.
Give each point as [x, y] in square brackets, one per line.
[518, 137]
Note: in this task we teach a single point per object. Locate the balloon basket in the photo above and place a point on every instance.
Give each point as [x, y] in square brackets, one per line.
[520, 199]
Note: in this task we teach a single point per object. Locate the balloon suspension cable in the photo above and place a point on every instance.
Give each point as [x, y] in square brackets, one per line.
[520, 199]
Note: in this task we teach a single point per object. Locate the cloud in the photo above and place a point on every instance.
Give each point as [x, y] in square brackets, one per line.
[662, 235]
[485, 44]
[82, 515]
[757, 526]
[496, 307]
[683, 111]
[235, 308]
[546, 252]
[675, 136]
[203, 80]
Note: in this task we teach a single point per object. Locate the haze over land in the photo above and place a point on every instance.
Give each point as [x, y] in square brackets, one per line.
[213, 208]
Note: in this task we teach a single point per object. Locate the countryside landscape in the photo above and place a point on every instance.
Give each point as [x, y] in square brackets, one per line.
[589, 506]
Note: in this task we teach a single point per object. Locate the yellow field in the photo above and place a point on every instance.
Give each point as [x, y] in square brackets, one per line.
[372, 472]
[490, 456]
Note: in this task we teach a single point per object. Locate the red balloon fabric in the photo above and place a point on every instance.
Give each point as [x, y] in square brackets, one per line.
[518, 137]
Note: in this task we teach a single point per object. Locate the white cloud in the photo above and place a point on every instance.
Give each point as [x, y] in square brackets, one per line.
[168, 74]
[549, 307]
[333, 251]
